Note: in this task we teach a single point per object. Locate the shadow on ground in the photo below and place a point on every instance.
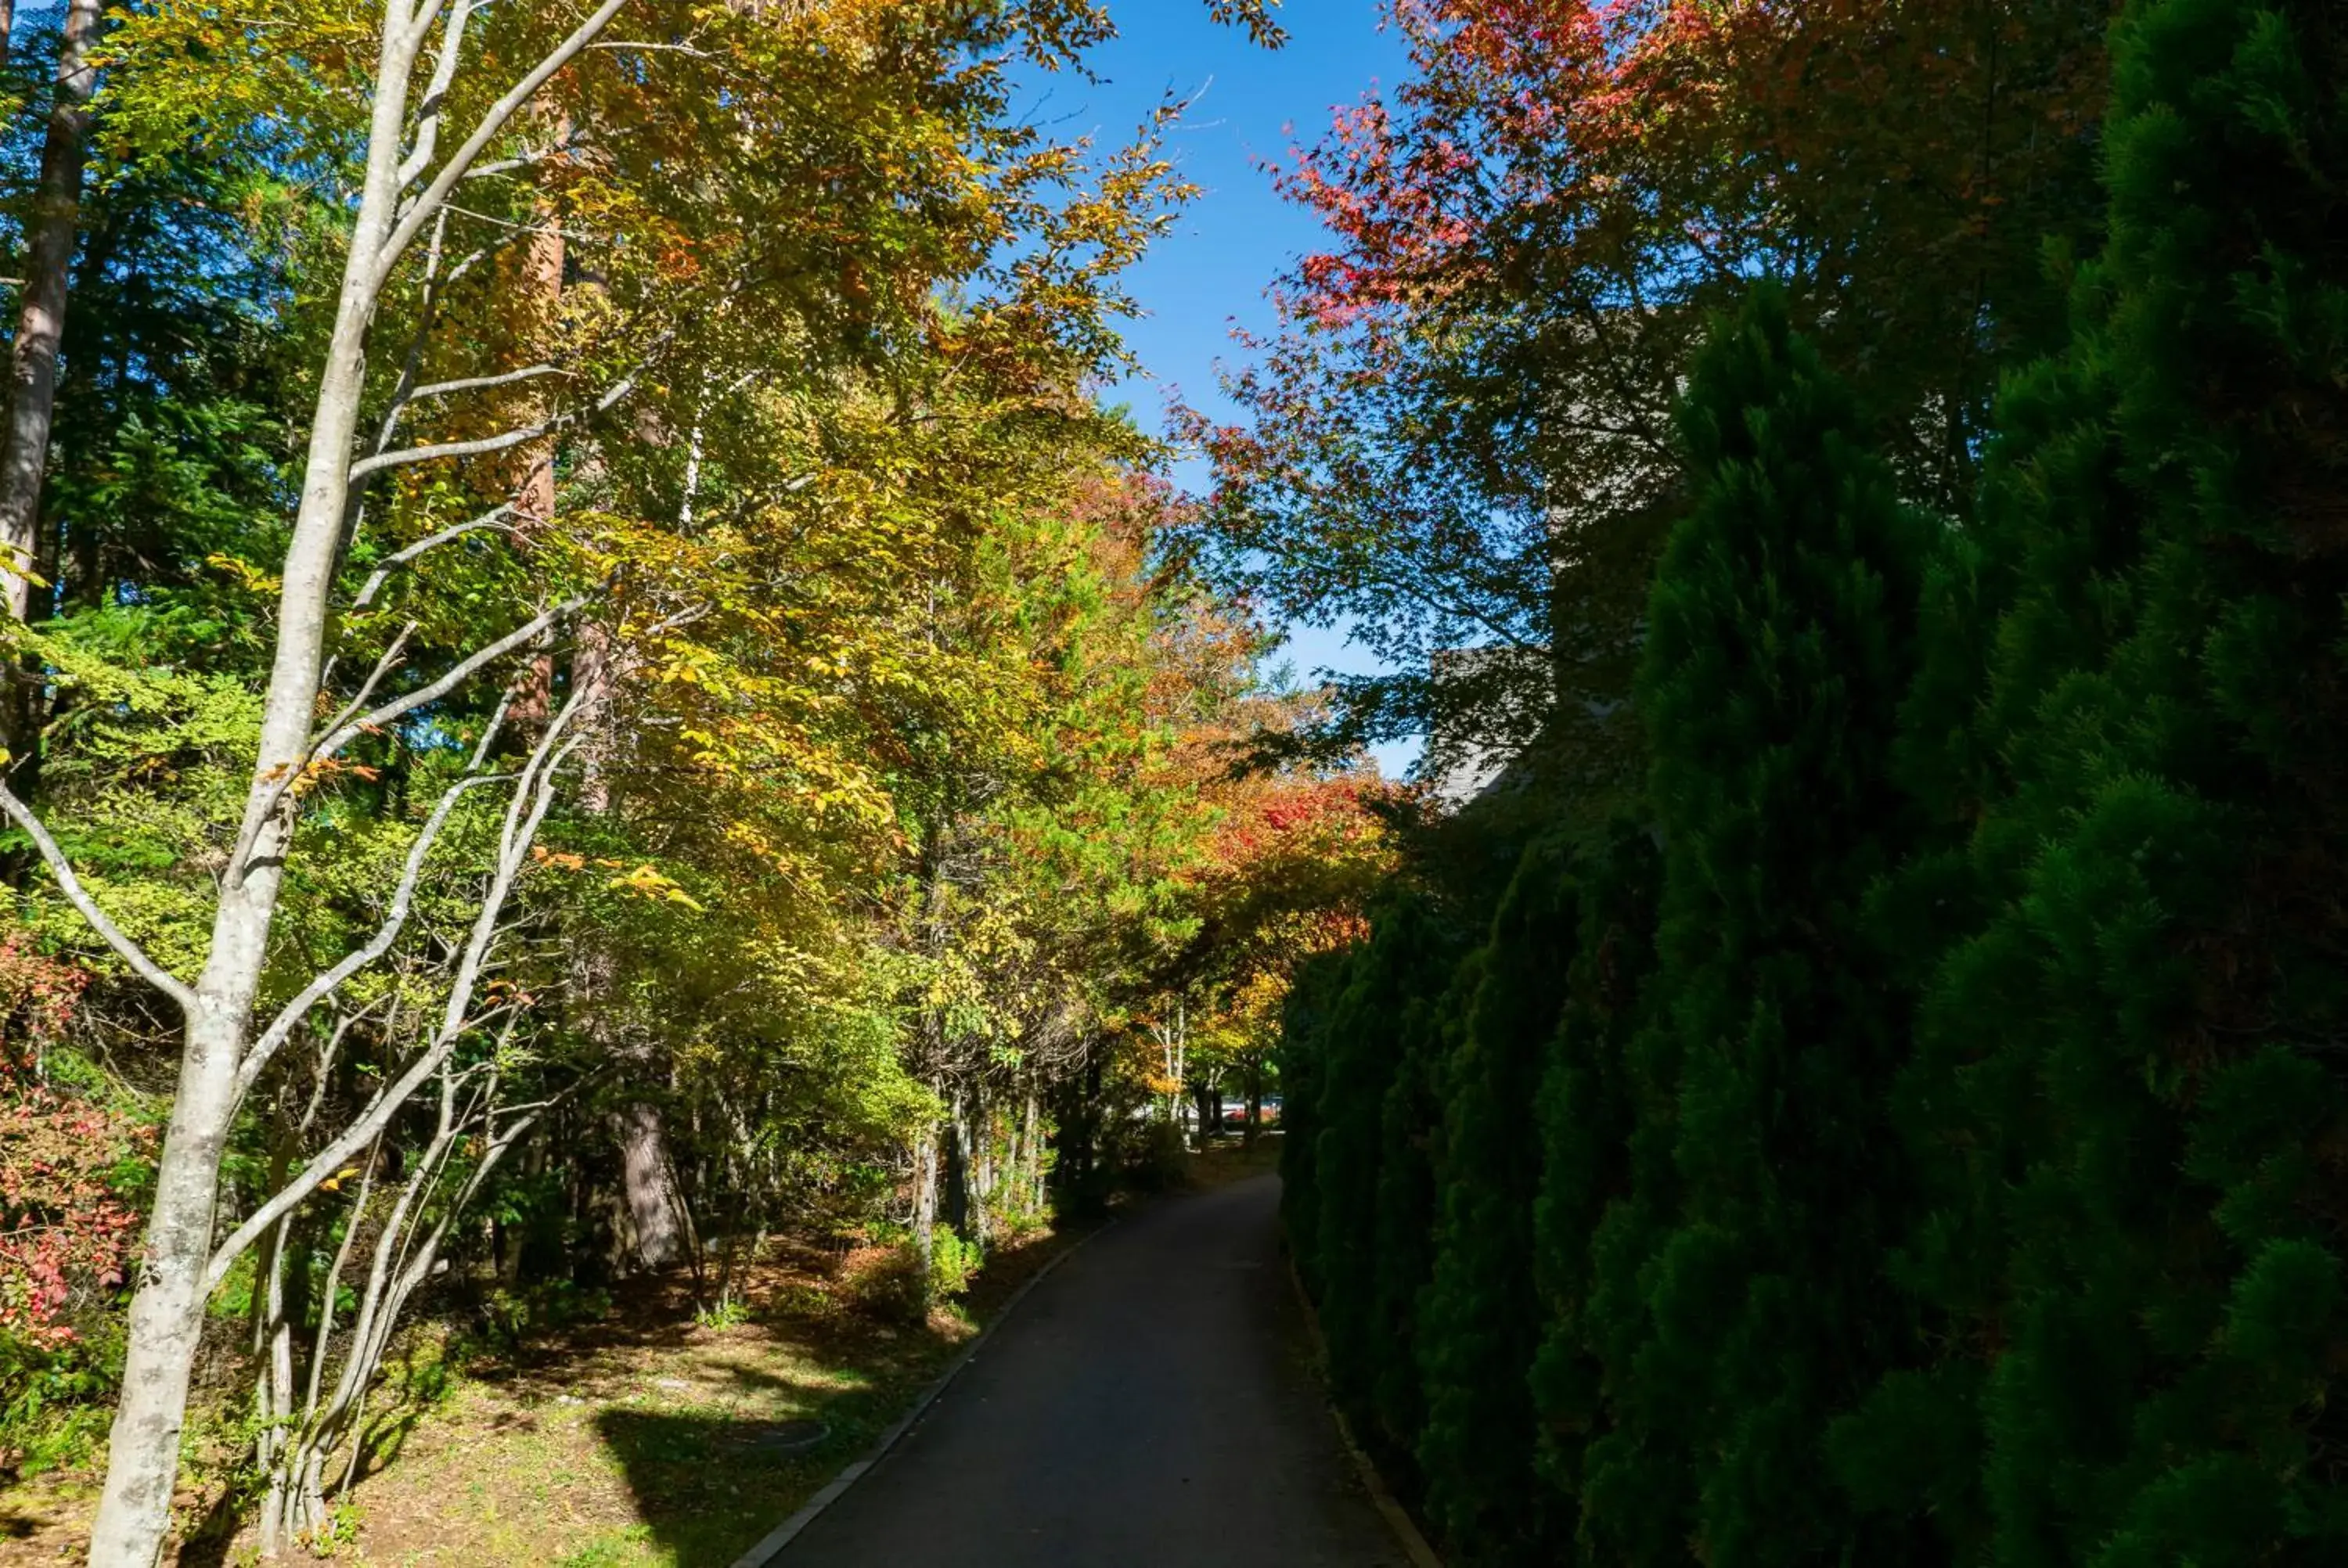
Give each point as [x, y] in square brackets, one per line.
[708, 1482]
[707, 1485]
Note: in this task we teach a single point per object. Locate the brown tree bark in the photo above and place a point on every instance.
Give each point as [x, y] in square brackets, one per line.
[40, 327]
[651, 1194]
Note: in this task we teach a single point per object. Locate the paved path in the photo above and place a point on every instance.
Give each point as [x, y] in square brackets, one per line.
[1148, 1406]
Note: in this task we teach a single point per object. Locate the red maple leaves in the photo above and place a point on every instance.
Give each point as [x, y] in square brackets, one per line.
[67, 1232]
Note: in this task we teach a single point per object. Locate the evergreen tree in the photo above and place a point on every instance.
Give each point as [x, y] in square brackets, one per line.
[1636, 1502]
[1391, 980]
[2124, 1101]
[1782, 640]
[1586, 1112]
[1304, 1040]
[1480, 1323]
[1409, 1126]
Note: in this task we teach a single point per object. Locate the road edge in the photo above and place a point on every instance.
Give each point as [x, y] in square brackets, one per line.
[1405, 1529]
[770, 1545]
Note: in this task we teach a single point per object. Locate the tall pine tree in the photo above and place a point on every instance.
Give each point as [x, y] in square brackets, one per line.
[1782, 640]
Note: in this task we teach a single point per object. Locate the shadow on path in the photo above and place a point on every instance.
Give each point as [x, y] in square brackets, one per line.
[1150, 1406]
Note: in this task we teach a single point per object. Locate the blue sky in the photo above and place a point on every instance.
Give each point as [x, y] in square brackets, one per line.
[1251, 105]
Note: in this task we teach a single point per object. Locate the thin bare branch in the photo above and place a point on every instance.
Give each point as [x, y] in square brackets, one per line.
[489, 732]
[458, 675]
[335, 1279]
[492, 123]
[383, 667]
[534, 796]
[403, 902]
[532, 159]
[131, 953]
[436, 95]
[481, 446]
[340, 735]
[408, 456]
[427, 309]
[634, 45]
[668, 623]
[331, 1047]
[406, 396]
[482, 383]
[493, 518]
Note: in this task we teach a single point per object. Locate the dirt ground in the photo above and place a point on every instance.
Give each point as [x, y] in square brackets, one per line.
[642, 1440]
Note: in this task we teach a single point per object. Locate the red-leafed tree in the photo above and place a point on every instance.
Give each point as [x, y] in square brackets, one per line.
[1294, 855]
[1460, 435]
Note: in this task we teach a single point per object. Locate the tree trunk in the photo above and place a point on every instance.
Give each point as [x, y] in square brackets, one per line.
[1030, 1173]
[1254, 1101]
[538, 281]
[134, 1512]
[167, 1314]
[954, 1147]
[273, 1380]
[925, 1212]
[40, 326]
[983, 1162]
[651, 1194]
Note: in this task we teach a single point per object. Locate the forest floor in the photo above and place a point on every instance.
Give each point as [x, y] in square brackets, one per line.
[643, 1439]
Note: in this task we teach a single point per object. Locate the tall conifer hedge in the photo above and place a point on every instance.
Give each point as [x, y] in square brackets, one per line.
[1781, 643]
[1588, 1111]
[1390, 981]
[2127, 1090]
[1938, 1154]
[1480, 1323]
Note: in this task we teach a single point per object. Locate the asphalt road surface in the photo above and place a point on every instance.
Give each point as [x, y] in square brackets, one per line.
[1150, 1405]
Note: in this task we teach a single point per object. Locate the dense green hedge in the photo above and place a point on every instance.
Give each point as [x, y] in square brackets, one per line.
[1920, 1138]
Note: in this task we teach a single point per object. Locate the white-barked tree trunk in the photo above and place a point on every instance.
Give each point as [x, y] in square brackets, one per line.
[408, 180]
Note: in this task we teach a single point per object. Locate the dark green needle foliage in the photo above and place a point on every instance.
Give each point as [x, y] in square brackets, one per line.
[1392, 985]
[1781, 643]
[1922, 1140]
[1588, 1109]
[1480, 1323]
[1303, 1039]
[2127, 1103]
[1410, 1127]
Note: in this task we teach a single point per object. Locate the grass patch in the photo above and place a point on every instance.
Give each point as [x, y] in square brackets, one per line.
[664, 1443]
[642, 1439]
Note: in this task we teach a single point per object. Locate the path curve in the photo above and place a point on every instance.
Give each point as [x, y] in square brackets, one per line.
[1150, 1405]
